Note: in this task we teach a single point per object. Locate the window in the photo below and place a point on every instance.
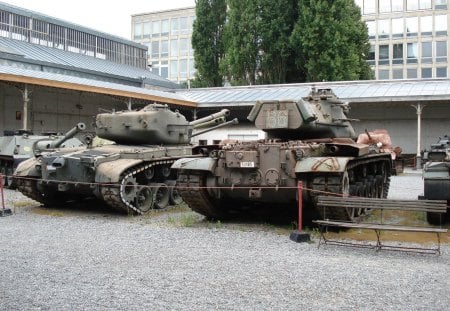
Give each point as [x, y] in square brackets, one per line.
[397, 27]
[165, 27]
[165, 48]
[383, 54]
[397, 6]
[397, 53]
[441, 51]
[397, 74]
[191, 23]
[191, 67]
[440, 4]
[155, 49]
[440, 22]
[369, 7]
[164, 71]
[173, 69]
[155, 68]
[137, 30]
[426, 73]
[426, 25]
[184, 47]
[183, 68]
[427, 53]
[147, 30]
[412, 5]
[411, 73]
[384, 6]
[174, 26]
[371, 29]
[412, 52]
[173, 48]
[184, 27]
[371, 57]
[384, 28]
[383, 74]
[424, 4]
[411, 26]
[441, 72]
[156, 28]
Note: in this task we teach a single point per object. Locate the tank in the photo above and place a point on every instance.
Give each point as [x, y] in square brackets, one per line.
[17, 146]
[436, 176]
[129, 169]
[309, 140]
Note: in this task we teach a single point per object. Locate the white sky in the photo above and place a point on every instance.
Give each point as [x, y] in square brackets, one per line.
[110, 16]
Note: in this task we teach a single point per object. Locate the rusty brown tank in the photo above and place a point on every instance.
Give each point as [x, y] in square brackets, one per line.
[309, 140]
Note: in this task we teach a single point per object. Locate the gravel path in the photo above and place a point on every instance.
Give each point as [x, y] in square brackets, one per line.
[98, 261]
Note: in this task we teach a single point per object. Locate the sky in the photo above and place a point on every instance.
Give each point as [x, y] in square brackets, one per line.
[110, 16]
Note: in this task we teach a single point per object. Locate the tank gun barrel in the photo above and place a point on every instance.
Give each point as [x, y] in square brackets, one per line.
[46, 144]
[222, 113]
[232, 122]
[213, 122]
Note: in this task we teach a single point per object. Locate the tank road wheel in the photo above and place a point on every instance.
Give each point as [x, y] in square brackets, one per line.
[149, 173]
[174, 195]
[144, 199]
[129, 189]
[161, 195]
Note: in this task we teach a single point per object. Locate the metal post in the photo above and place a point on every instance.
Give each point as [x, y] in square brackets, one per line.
[299, 235]
[4, 211]
[419, 109]
[26, 99]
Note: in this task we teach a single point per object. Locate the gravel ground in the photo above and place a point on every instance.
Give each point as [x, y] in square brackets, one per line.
[99, 261]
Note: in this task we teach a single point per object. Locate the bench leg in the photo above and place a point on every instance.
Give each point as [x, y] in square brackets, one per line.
[439, 243]
[322, 235]
[378, 246]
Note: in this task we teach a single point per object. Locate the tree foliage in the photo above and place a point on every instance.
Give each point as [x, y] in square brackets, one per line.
[207, 41]
[332, 41]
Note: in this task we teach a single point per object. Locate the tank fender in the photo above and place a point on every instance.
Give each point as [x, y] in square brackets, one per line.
[28, 168]
[196, 164]
[322, 164]
[110, 171]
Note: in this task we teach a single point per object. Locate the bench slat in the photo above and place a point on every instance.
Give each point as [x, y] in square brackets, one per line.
[379, 226]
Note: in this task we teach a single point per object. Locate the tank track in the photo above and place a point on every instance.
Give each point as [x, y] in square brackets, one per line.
[28, 187]
[193, 189]
[115, 195]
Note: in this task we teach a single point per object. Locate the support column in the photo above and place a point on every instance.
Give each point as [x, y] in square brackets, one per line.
[26, 100]
[419, 107]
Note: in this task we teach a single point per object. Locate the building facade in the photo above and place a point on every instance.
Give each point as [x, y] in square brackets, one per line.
[409, 38]
[168, 37]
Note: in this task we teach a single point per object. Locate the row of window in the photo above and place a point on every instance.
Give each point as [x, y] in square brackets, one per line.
[163, 28]
[396, 53]
[411, 26]
[388, 6]
[178, 47]
[412, 73]
[180, 70]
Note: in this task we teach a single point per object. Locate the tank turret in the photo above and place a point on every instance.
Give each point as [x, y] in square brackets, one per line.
[44, 144]
[154, 124]
[319, 115]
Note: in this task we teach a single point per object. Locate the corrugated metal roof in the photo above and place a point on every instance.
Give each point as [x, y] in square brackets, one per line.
[9, 73]
[76, 62]
[352, 91]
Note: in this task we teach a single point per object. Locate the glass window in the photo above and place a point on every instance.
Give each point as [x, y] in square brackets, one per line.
[441, 72]
[191, 23]
[383, 74]
[183, 68]
[397, 27]
[155, 68]
[440, 22]
[412, 52]
[156, 28]
[397, 74]
[397, 53]
[137, 30]
[164, 48]
[191, 67]
[411, 73]
[174, 26]
[411, 26]
[426, 73]
[173, 69]
[384, 28]
[427, 52]
[383, 54]
[147, 30]
[184, 47]
[426, 25]
[412, 5]
[371, 53]
[165, 27]
[397, 6]
[174, 48]
[441, 51]
[155, 49]
[164, 72]
[371, 28]
[424, 4]
[440, 4]
[184, 27]
[384, 6]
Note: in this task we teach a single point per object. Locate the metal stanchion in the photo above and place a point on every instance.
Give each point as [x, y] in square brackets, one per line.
[3, 211]
[298, 235]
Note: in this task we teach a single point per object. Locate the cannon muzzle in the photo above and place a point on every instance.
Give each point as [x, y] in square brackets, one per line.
[211, 117]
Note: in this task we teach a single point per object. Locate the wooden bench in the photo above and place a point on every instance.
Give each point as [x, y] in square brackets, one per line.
[331, 202]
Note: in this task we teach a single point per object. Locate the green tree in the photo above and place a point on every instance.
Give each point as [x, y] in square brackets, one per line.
[257, 41]
[331, 40]
[207, 41]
